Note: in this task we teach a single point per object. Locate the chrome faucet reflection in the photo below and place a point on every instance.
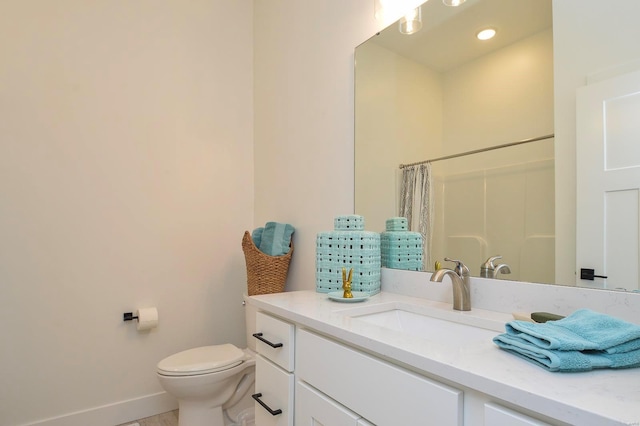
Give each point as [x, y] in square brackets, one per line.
[460, 280]
[490, 270]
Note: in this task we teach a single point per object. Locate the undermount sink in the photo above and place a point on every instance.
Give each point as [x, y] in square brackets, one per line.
[424, 323]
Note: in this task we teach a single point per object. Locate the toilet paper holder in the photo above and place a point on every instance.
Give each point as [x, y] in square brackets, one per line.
[146, 318]
[128, 316]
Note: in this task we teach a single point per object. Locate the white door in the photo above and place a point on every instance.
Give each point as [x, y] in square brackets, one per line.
[608, 182]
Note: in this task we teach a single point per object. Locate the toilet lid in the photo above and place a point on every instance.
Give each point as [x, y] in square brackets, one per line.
[203, 360]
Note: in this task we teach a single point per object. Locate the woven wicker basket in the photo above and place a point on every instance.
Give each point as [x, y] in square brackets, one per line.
[265, 274]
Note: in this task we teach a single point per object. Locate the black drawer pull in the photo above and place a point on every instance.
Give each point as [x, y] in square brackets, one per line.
[262, 339]
[257, 396]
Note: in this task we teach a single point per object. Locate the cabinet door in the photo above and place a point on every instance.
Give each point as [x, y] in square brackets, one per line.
[495, 415]
[274, 388]
[316, 409]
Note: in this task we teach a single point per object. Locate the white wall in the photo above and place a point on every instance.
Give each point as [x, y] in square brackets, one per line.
[126, 171]
[493, 99]
[398, 121]
[304, 117]
[126, 180]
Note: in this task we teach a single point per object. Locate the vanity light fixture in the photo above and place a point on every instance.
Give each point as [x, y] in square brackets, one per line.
[388, 11]
[383, 8]
[486, 34]
[453, 3]
[411, 23]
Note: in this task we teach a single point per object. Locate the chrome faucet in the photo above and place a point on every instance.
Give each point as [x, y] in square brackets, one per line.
[460, 281]
[490, 270]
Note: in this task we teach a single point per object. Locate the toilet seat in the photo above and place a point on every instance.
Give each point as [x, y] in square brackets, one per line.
[202, 360]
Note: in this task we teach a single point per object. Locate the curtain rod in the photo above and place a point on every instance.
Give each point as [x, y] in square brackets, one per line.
[491, 148]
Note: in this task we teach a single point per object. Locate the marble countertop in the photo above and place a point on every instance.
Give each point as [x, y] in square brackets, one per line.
[600, 397]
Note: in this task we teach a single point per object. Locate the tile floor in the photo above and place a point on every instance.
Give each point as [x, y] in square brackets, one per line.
[164, 419]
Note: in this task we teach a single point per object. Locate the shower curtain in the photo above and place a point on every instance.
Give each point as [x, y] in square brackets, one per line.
[416, 205]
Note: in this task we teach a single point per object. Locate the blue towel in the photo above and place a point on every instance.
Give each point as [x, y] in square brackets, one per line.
[256, 236]
[567, 361]
[582, 330]
[580, 342]
[276, 238]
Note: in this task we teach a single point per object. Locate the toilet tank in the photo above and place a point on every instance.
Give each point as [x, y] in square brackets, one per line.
[250, 323]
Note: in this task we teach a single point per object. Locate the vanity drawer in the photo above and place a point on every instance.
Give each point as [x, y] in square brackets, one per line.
[314, 408]
[275, 388]
[384, 394]
[495, 415]
[275, 340]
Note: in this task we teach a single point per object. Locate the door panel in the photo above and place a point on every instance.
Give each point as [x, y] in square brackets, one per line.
[608, 182]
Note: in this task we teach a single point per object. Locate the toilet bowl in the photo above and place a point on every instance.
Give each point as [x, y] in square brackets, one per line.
[209, 379]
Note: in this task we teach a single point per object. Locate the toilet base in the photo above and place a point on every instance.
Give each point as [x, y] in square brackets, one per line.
[242, 410]
[199, 413]
[246, 404]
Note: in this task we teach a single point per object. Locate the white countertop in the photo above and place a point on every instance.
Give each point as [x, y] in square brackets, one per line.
[600, 397]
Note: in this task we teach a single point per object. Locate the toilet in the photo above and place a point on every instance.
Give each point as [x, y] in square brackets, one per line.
[209, 380]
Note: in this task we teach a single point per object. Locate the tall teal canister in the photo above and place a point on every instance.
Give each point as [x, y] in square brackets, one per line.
[348, 246]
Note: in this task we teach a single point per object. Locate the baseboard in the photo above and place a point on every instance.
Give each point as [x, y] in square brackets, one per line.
[116, 413]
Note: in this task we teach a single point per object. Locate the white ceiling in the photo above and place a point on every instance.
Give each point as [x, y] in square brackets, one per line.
[447, 38]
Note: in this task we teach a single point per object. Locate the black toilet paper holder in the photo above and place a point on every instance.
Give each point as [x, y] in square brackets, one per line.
[128, 316]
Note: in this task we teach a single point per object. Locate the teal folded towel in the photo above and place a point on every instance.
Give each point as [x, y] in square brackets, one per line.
[582, 330]
[276, 238]
[256, 236]
[567, 361]
[583, 341]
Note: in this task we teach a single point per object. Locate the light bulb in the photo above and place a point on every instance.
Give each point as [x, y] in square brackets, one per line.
[411, 23]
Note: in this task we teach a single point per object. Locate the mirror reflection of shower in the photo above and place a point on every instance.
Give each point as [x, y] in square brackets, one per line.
[415, 101]
[481, 203]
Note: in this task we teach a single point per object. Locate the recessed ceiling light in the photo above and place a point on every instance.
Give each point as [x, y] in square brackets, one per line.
[486, 34]
[453, 3]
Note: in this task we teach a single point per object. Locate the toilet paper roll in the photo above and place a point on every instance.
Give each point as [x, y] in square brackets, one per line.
[147, 318]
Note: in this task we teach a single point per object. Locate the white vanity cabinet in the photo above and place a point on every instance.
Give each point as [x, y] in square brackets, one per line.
[274, 384]
[337, 384]
[380, 392]
[333, 370]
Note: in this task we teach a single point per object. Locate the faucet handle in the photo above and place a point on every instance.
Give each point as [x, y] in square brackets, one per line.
[460, 269]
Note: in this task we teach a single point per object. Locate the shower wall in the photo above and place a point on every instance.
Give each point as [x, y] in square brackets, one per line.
[505, 210]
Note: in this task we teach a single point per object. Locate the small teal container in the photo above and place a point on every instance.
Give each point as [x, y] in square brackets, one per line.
[400, 248]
